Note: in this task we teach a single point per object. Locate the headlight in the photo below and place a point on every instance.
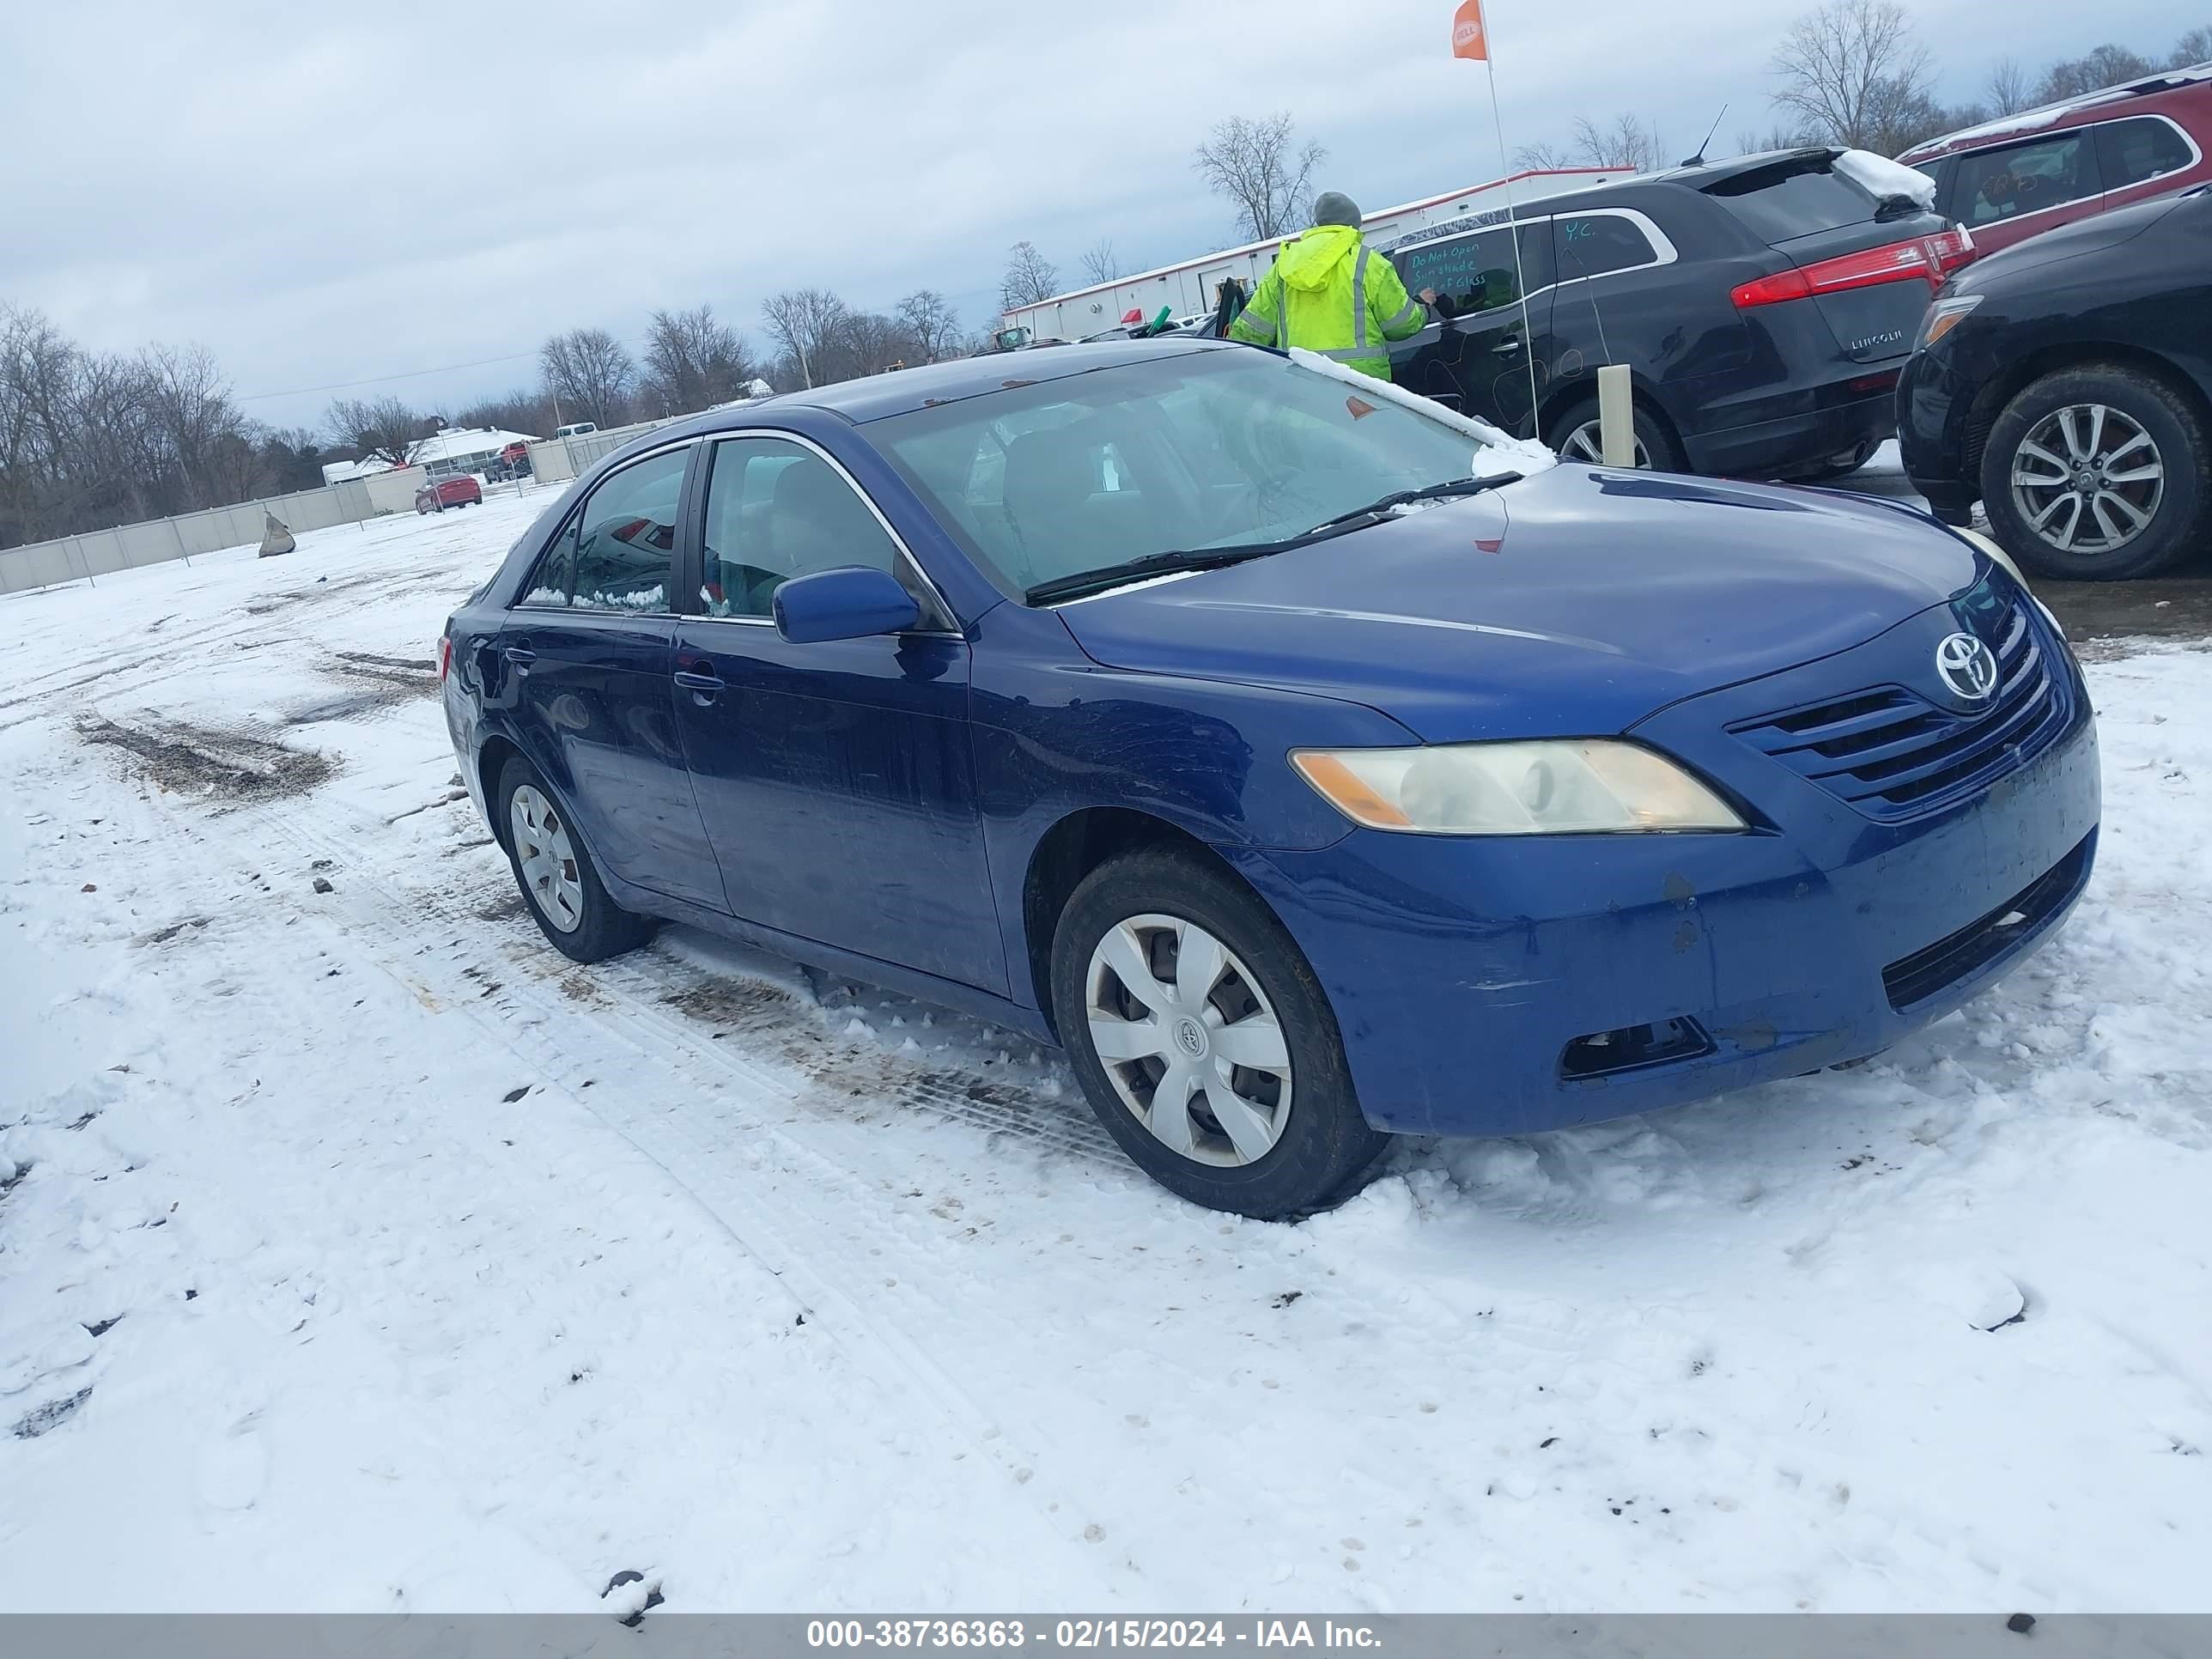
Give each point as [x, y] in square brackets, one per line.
[1574, 787]
[1944, 316]
[1999, 556]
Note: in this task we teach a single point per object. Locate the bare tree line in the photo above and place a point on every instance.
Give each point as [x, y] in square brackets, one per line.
[1852, 73]
[92, 439]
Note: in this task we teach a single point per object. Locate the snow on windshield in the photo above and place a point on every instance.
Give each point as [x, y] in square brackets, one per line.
[1529, 457]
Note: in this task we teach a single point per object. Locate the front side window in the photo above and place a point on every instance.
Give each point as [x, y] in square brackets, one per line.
[776, 510]
[2137, 151]
[1996, 184]
[1478, 273]
[1203, 450]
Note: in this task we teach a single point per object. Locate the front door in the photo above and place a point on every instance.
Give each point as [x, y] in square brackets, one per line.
[588, 650]
[838, 780]
[1479, 358]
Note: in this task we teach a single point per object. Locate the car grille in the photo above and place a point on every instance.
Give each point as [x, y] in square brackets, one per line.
[1913, 978]
[1892, 754]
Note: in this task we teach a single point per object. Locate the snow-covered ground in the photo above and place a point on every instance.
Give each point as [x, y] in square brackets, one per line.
[358, 1252]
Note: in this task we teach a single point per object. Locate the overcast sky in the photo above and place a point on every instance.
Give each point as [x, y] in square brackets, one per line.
[321, 200]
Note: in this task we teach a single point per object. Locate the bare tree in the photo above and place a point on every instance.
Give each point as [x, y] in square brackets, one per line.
[928, 317]
[1779, 135]
[1099, 264]
[802, 321]
[2006, 87]
[1852, 73]
[588, 375]
[373, 428]
[1627, 141]
[2194, 48]
[1030, 278]
[1543, 157]
[2107, 65]
[1258, 167]
[525, 411]
[692, 361]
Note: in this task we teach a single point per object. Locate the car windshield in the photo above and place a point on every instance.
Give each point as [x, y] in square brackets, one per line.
[1188, 452]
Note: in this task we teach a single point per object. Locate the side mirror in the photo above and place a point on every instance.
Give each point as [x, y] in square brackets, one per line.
[852, 603]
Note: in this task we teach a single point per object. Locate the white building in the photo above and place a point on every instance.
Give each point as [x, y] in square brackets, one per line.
[340, 472]
[453, 450]
[1187, 289]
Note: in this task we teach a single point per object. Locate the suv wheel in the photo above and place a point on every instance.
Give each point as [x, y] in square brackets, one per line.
[1204, 1041]
[1580, 437]
[2097, 474]
[554, 870]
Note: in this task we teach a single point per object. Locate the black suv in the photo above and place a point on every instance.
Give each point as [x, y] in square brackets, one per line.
[1764, 306]
[2066, 383]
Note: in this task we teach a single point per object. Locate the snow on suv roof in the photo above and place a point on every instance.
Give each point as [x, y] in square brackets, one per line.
[2044, 115]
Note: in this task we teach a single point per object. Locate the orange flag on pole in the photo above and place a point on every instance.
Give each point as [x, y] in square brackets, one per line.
[1469, 39]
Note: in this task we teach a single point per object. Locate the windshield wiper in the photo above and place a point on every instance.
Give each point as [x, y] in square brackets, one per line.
[1173, 561]
[1376, 509]
[1176, 561]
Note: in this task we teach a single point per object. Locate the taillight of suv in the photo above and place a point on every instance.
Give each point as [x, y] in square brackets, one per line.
[1924, 259]
[444, 657]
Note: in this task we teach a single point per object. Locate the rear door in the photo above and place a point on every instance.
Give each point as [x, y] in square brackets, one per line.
[1814, 216]
[587, 652]
[1478, 359]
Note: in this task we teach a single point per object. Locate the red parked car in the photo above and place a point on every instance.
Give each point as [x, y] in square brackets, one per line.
[2006, 180]
[437, 497]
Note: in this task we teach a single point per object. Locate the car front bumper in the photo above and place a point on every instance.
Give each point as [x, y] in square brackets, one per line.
[1467, 975]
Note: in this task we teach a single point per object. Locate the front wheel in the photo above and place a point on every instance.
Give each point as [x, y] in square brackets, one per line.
[1203, 1040]
[2097, 474]
[554, 869]
[1578, 436]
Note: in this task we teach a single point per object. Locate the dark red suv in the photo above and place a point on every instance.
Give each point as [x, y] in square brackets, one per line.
[2006, 180]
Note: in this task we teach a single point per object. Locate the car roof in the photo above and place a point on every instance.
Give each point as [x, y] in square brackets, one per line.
[2076, 111]
[901, 391]
[1670, 184]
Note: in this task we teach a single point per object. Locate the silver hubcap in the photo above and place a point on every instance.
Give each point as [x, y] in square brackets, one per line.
[1586, 443]
[2088, 479]
[547, 859]
[1189, 1040]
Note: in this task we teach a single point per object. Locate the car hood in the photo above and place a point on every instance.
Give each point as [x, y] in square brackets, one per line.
[2094, 235]
[1577, 602]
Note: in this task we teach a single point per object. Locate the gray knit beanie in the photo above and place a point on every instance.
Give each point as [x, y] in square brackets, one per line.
[1333, 207]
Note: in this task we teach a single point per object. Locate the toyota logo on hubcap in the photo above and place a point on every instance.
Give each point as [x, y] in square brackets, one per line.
[1191, 1036]
[1967, 667]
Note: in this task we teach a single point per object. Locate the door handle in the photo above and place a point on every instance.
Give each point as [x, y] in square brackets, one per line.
[520, 655]
[1507, 347]
[691, 680]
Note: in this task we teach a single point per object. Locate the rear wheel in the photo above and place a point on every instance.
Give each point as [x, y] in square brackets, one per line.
[2098, 474]
[554, 870]
[1579, 437]
[1204, 1041]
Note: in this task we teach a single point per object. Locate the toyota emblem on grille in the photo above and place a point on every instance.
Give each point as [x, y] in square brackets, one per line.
[1967, 667]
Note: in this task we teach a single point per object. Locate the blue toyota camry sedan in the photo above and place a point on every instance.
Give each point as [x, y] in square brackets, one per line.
[1311, 763]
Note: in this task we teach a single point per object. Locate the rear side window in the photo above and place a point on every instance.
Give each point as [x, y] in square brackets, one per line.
[1793, 199]
[1594, 244]
[614, 555]
[1993, 185]
[2137, 151]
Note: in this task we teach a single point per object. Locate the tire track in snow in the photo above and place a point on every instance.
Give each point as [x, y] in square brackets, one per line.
[758, 1177]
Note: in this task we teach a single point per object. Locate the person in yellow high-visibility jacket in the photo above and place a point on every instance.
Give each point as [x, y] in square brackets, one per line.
[1329, 293]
